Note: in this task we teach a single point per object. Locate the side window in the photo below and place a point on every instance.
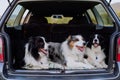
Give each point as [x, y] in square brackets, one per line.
[16, 16]
[101, 14]
[92, 16]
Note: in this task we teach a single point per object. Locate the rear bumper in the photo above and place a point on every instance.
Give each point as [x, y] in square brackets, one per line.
[108, 76]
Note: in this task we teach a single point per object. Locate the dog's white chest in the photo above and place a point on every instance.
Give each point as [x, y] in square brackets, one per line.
[99, 54]
[44, 59]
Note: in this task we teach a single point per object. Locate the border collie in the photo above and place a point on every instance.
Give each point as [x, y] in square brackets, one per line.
[95, 51]
[73, 49]
[36, 53]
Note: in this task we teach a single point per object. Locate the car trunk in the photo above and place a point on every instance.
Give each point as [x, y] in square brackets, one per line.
[54, 33]
[19, 35]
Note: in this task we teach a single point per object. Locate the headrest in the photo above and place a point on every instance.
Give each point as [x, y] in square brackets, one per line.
[37, 19]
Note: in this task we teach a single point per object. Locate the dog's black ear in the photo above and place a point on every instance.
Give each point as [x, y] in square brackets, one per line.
[35, 53]
[32, 49]
[89, 44]
[90, 40]
[102, 42]
[31, 43]
[101, 39]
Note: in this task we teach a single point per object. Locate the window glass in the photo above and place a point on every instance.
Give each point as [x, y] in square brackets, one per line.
[106, 19]
[91, 15]
[13, 17]
[58, 19]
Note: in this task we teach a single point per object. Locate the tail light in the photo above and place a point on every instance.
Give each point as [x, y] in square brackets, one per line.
[118, 49]
[1, 49]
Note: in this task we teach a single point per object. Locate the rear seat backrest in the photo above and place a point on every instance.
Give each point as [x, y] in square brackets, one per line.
[37, 19]
[62, 31]
[37, 26]
[79, 20]
[36, 30]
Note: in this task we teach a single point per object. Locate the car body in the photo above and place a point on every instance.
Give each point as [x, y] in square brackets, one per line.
[99, 15]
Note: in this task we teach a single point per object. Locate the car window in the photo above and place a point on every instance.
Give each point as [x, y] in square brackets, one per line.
[13, 17]
[103, 16]
[92, 16]
[58, 19]
[17, 16]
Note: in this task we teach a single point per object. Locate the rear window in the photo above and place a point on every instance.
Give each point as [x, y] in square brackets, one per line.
[65, 26]
[105, 18]
[58, 19]
[98, 15]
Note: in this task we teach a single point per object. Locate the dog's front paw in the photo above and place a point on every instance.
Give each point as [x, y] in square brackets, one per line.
[91, 67]
[105, 66]
[99, 66]
[88, 66]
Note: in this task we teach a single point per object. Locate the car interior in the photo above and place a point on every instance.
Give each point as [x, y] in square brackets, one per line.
[36, 23]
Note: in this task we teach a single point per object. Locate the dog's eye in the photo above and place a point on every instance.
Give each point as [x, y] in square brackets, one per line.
[75, 40]
[41, 43]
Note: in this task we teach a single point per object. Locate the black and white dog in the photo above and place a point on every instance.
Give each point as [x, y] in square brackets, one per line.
[36, 53]
[73, 49]
[95, 51]
[42, 55]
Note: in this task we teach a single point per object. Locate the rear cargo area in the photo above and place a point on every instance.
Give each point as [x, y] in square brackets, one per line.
[65, 25]
[52, 33]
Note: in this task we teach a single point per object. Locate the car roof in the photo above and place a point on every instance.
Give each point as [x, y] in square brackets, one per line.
[60, 0]
[49, 7]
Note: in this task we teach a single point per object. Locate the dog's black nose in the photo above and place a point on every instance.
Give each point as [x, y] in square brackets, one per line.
[84, 44]
[95, 40]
